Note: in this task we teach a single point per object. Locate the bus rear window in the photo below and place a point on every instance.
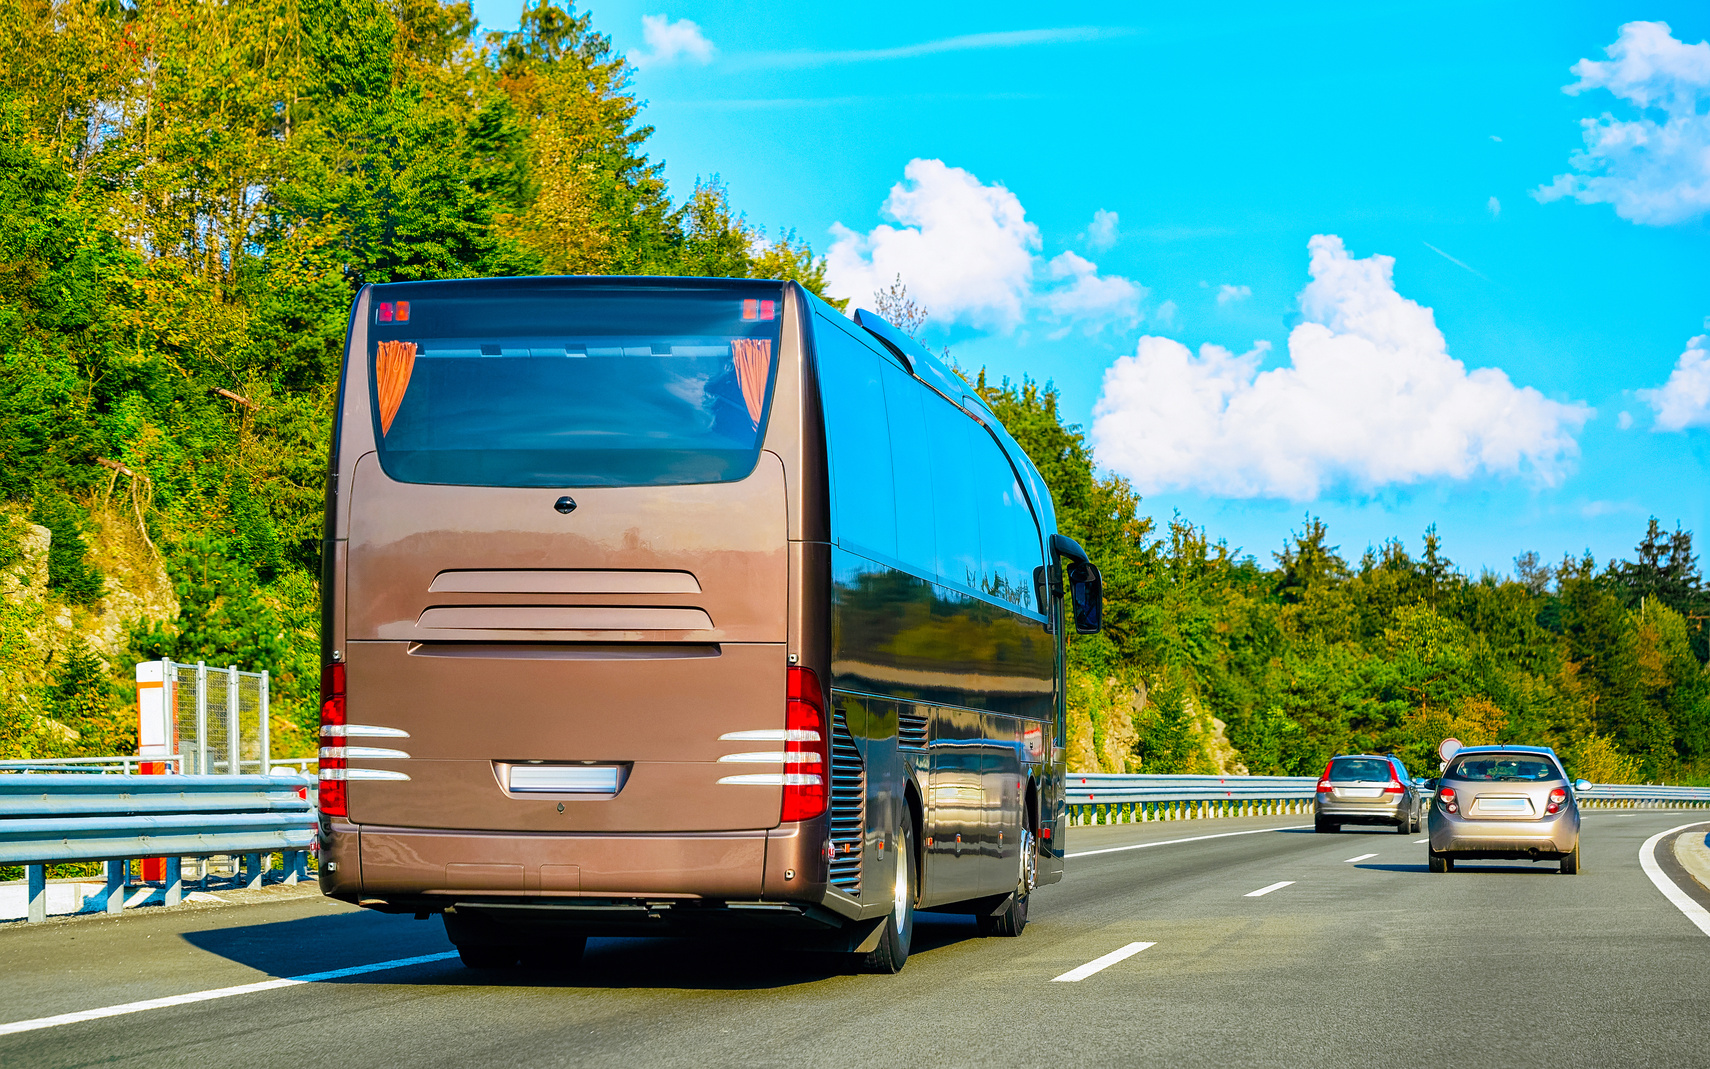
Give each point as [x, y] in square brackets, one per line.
[553, 383]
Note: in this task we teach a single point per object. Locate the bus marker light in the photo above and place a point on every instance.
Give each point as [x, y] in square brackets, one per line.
[384, 315]
[768, 309]
[750, 309]
[403, 311]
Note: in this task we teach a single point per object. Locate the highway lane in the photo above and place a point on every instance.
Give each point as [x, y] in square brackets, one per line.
[1355, 960]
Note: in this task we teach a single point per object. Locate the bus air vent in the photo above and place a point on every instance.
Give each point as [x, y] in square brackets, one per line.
[911, 731]
[848, 807]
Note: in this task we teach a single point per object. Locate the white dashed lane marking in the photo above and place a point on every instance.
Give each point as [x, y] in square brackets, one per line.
[1362, 857]
[1081, 972]
[1416, 842]
[1267, 890]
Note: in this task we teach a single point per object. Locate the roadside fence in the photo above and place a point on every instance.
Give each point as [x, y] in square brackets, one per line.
[52, 818]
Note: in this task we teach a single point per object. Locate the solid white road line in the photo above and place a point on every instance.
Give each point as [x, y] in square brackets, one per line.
[1416, 842]
[1081, 972]
[1682, 901]
[1362, 857]
[1191, 839]
[1268, 890]
[215, 993]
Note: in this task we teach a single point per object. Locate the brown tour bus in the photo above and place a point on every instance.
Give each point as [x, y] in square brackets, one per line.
[660, 606]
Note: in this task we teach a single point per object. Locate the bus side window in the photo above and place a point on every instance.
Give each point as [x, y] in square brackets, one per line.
[1009, 539]
[916, 512]
[950, 437]
[863, 509]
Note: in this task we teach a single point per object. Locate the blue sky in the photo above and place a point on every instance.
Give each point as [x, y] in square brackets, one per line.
[972, 148]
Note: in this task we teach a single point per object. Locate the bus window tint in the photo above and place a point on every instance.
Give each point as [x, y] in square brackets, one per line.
[531, 383]
[916, 537]
[863, 510]
[1009, 540]
[953, 453]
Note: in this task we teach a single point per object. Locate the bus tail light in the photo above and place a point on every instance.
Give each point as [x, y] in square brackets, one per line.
[332, 796]
[807, 753]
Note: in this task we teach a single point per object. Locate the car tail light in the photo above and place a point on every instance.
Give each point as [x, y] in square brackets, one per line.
[807, 763]
[1324, 781]
[1394, 787]
[1447, 797]
[1557, 798]
[332, 799]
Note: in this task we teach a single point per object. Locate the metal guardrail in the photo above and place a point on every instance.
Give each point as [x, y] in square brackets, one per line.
[121, 764]
[52, 818]
[1117, 798]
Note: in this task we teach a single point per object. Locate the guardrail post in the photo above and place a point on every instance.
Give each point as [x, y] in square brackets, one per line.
[174, 881]
[36, 877]
[118, 876]
[252, 871]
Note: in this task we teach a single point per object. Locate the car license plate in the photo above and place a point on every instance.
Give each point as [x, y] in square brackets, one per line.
[1360, 792]
[1504, 805]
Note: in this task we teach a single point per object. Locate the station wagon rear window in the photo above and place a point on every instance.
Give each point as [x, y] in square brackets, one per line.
[547, 382]
[1359, 770]
[1502, 768]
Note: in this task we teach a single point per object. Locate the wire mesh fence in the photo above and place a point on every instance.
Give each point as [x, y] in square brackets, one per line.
[218, 718]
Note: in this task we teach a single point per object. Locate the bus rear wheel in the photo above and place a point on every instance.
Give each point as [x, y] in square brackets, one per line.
[888, 957]
[1011, 917]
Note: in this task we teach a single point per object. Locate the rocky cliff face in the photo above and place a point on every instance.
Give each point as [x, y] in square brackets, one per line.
[38, 628]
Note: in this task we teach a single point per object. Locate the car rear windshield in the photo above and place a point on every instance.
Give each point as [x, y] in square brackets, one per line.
[546, 382]
[1359, 770]
[1502, 768]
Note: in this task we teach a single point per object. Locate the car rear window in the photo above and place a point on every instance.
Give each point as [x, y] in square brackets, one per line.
[545, 382]
[1502, 768]
[1359, 769]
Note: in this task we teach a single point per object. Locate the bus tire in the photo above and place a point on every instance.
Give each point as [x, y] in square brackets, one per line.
[1011, 917]
[892, 951]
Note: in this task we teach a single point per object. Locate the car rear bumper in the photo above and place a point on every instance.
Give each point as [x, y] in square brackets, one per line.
[1513, 839]
[1387, 811]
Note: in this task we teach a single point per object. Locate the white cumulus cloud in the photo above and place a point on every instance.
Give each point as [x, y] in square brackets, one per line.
[1101, 232]
[1651, 171]
[1089, 298]
[1227, 294]
[1494, 207]
[967, 253]
[1369, 397]
[669, 41]
[1684, 400]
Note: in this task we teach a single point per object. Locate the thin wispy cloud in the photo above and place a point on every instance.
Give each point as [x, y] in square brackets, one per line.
[969, 42]
[1460, 264]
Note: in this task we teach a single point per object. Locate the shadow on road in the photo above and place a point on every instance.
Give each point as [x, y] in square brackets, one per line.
[317, 944]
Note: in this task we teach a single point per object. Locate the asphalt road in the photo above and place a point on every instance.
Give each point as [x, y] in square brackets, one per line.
[1371, 962]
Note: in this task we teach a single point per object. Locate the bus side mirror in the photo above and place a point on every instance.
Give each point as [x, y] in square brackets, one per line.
[1086, 588]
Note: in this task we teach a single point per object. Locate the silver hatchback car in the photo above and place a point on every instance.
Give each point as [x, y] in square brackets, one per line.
[1366, 789]
[1505, 802]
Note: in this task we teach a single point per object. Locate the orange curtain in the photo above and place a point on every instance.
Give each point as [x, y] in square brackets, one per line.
[392, 377]
[753, 366]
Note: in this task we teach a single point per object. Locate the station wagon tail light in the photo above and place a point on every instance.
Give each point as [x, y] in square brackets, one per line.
[1557, 798]
[332, 796]
[1395, 786]
[807, 761]
[1324, 781]
[1447, 797]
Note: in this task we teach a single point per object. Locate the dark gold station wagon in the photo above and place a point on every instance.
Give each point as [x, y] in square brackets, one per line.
[677, 606]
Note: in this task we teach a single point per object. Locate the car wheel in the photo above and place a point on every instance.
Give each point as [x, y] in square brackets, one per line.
[892, 950]
[1570, 861]
[1439, 863]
